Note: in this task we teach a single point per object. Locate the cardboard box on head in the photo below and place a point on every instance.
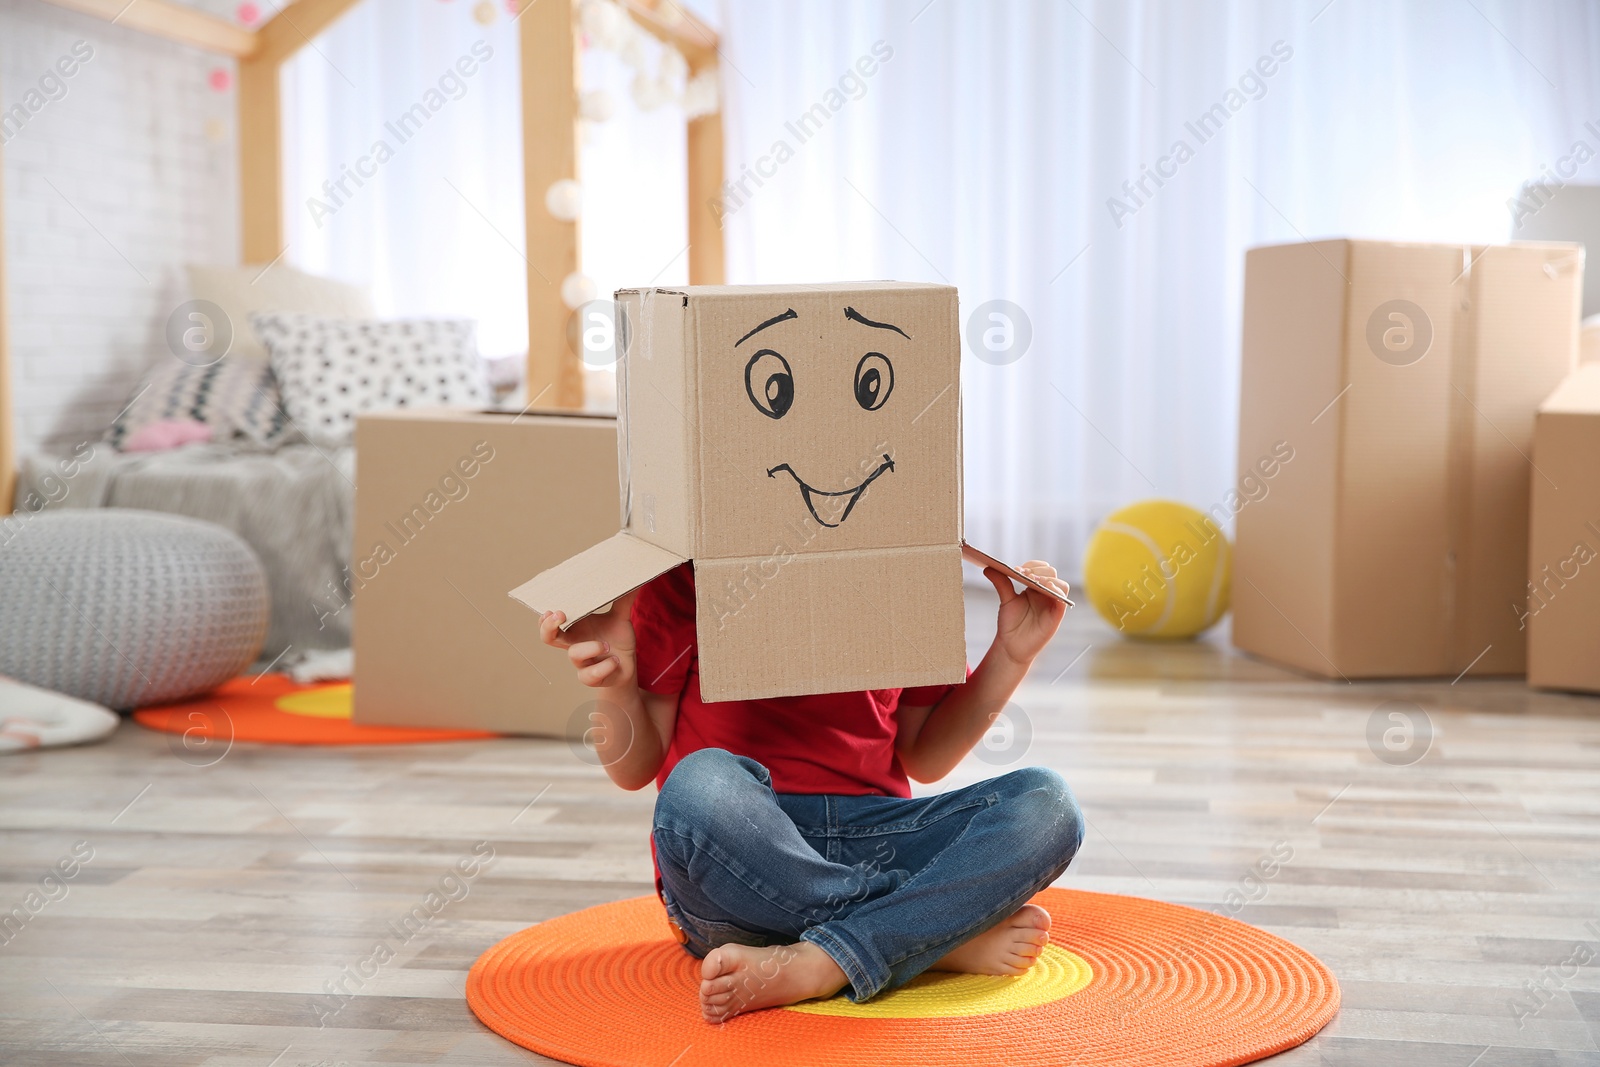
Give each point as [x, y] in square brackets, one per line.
[802, 445]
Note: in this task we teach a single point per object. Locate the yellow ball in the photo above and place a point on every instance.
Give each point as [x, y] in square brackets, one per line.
[1158, 569]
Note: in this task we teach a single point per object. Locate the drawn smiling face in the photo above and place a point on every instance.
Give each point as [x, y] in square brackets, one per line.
[834, 422]
[769, 383]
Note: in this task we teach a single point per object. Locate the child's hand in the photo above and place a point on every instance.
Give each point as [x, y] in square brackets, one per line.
[1029, 619]
[601, 647]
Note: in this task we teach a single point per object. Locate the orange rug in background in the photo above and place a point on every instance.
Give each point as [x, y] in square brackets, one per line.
[1123, 982]
[273, 709]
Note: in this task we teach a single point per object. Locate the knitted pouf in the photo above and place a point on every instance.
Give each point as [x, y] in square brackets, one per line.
[127, 608]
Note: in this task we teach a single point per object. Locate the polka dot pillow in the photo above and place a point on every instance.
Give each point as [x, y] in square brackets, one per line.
[331, 370]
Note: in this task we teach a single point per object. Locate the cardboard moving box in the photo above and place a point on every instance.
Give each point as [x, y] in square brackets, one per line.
[451, 508]
[1562, 610]
[1405, 378]
[802, 444]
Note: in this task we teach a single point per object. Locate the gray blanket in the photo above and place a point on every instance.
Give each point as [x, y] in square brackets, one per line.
[294, 506]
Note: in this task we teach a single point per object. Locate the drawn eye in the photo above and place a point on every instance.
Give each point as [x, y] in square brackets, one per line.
[874, 380]
[769, 383]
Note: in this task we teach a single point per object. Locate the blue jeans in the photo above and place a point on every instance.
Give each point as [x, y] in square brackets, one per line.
[884, 885]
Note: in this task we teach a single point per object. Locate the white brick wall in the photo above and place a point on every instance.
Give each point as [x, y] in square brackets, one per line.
[140, 149]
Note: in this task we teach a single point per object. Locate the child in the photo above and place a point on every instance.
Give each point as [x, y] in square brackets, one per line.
[791, 856]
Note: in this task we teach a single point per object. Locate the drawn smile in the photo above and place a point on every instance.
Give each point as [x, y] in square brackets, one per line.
[848, 496]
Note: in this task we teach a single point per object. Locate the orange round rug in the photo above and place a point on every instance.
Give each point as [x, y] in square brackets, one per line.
[1124, 981]
[275, 710]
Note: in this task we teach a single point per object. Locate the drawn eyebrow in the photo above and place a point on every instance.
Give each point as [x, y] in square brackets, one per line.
[852, 313]
[775, 319]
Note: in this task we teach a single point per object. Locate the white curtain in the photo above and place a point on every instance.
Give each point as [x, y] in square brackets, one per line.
[988, 143]
[435, 226]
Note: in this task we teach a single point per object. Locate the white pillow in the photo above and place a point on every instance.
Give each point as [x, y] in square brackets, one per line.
[239, 291]
[331, 370]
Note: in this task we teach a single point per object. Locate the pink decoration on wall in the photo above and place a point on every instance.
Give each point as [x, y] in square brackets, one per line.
[248, 13]
[221, 80]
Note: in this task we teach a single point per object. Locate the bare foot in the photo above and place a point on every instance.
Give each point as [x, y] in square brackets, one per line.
[737, 978]
[1006, 949]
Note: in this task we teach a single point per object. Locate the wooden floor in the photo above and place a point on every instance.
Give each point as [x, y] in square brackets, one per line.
[221, 901]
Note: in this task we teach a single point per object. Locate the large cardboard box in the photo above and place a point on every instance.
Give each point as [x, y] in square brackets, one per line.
[452, 508]
[1403, 379]
[1562, 612]
[802, 444]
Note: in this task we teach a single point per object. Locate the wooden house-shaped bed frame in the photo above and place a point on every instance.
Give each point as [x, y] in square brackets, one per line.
[549, 48]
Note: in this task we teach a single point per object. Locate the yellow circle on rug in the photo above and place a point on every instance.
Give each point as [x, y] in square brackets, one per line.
[1056, 974]
[329, 702]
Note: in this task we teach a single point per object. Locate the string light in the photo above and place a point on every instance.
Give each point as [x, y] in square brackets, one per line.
[607, 26]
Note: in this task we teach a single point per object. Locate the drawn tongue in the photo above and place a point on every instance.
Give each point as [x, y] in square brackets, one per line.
[828, 509]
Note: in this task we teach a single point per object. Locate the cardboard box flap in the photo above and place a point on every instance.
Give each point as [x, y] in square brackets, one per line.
[596, 576]
[983, 559]
[1578, 393]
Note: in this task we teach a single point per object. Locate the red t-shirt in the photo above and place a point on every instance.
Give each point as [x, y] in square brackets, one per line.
[836, 743]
